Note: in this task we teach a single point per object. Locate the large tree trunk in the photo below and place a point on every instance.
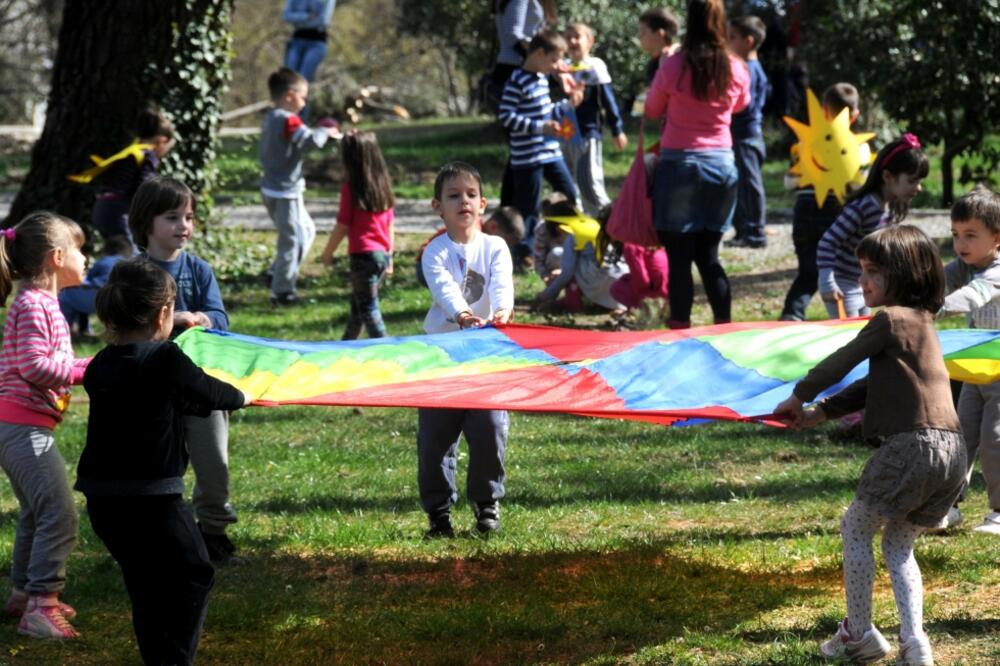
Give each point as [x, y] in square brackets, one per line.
[114, 56]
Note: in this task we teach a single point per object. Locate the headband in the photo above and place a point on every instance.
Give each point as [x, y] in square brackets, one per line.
[9, 233]
[906, 143]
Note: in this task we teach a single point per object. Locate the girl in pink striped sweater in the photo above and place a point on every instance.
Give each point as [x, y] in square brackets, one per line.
[37, 368]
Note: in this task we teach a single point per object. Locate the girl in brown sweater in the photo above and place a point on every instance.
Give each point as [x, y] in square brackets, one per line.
[909, 484]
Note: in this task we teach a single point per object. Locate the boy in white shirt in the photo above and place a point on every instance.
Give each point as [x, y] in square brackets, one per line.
[470, 276]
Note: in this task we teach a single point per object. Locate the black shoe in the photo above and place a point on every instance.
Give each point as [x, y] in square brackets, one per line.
[440, 526]
[488, 518]
[221, 550]
[281, 300]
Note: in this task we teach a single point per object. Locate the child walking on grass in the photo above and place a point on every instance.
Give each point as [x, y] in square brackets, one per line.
[365, 219]
[162, 222]
[884, 199]
[912, 480]
[470, 275]
[37, 368]
[973, 281]
[142, 387]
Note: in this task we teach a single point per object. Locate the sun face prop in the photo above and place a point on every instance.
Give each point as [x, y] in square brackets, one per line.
[828, 154]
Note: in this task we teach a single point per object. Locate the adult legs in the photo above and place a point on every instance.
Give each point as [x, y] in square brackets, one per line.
[680, 255]
[713, 275]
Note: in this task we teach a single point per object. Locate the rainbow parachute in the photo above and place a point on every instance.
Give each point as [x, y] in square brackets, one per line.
[731, 372]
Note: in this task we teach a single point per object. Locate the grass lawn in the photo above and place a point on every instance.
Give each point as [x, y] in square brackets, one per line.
[621, 542]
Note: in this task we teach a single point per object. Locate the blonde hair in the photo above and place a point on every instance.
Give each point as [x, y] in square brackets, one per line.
[25, 246]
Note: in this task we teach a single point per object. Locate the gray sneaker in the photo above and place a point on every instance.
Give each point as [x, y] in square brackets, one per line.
[915, 651]
[872, 646]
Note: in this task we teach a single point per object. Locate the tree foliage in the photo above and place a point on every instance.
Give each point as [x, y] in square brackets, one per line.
[931, 65]
[111, 58]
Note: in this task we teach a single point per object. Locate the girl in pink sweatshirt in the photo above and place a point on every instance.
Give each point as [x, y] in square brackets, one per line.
[37, 368]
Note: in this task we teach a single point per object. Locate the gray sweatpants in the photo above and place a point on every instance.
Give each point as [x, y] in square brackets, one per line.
[438, 432]
[586, 163]
[296, 233]
[979, 414]
[208, 445]
[46, 526]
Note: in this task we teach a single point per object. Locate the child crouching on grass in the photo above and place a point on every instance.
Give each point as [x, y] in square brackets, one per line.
[470, 275]
[913, 479]
[141, 387]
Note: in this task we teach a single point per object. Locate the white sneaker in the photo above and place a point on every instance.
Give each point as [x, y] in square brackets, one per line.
[916, 651]
[872, 646]
[953, 519]
[991, 523]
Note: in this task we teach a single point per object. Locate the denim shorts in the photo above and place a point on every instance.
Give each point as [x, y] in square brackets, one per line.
[694, 190]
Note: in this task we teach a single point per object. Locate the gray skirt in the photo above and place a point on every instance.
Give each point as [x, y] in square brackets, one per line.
[915, 476]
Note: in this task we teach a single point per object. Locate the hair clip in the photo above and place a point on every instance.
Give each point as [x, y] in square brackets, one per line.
[9, 233]
[911, 140]
[907, 142]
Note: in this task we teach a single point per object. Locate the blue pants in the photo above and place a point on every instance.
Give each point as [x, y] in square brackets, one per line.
[367, 271]
[305, 55]
[750, 215]
[438, 431]
[527, 182]
[77, 304]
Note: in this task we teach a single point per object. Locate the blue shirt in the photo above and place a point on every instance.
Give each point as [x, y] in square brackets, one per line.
[747, 123]
[99, 273]
[197, 290]
[597, 95]
[309, 14]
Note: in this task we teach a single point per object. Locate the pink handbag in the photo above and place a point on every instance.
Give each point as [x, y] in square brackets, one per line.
[631, 218]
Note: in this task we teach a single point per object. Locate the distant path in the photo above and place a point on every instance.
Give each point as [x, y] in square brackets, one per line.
[416, 216]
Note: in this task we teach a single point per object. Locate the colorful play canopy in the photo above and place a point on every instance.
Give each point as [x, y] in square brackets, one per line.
[729, 372]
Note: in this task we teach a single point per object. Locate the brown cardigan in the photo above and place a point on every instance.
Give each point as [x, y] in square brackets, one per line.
[910, 386]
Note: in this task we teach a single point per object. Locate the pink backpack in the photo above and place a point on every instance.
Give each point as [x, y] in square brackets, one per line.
[631, 218]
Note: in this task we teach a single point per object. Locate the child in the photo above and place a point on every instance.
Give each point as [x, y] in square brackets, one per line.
[283, 142]
[141, 388]
[123, 173]
[584, 159]
[585, 257]
[746, 34]
[533, 121]
[809, 221]
[973, 280]
[365, 218]
[162, 221]
[77, 303]
[646, 280]
[36, 370]
[505, 222]
[915, 476]
[657, 28]
[470, 277]
[892, 183]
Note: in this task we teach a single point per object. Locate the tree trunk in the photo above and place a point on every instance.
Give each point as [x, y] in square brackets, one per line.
[113, 56]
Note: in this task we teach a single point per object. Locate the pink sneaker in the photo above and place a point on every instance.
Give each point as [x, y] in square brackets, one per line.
[44, 619]
[17, 603]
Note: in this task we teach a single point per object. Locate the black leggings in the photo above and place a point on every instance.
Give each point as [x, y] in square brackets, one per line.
[701, 248]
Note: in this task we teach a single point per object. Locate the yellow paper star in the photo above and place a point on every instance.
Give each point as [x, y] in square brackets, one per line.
[828, 155]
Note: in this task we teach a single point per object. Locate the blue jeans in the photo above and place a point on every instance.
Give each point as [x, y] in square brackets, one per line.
[527, 181]
[77, 304]
[694, 190]
[305, 55]
[750, 215]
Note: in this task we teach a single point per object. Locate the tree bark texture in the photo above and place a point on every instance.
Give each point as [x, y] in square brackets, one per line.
[114, 56]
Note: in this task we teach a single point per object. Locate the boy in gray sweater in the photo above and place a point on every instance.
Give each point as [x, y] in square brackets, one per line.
[973, 286]
[284, 139]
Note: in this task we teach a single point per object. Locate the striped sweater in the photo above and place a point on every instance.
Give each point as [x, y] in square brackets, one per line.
[835, 253]
[524, 108]
[37, 365]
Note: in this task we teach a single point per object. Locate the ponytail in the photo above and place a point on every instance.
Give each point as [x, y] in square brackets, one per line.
[25, 246]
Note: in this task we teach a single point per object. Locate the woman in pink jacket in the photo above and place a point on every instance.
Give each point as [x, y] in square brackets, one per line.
[694, 94]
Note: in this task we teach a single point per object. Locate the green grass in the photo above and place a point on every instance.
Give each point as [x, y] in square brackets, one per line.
[622, 542]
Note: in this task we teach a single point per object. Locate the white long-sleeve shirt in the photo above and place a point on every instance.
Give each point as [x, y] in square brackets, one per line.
[477, 277]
